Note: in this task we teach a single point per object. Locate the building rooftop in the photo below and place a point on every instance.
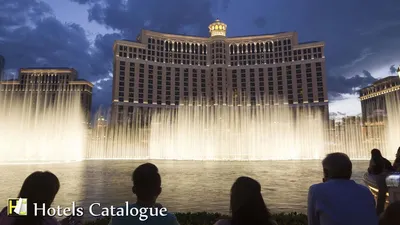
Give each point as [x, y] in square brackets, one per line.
[386, 79]
[47, 68]
[309, 42]
[389, 79]
[198, 36]
[217, 28]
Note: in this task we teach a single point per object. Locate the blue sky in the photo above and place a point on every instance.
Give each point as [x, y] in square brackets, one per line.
[361, 36]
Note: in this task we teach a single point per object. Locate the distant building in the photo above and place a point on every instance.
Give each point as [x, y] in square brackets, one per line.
[351, 120]
[376, 98]
[162, 70]
[101, 123]
[2, 65]
[48, 83]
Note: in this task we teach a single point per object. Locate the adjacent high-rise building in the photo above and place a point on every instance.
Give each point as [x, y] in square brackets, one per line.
[47, 85]
[376, 98]
[167, 70]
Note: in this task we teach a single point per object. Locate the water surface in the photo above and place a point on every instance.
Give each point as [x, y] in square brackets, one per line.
[187, 185]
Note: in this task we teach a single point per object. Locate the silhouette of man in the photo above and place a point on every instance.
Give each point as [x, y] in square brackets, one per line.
[339, 200]
[146, 187]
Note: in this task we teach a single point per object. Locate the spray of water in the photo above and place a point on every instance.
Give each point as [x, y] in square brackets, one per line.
[38, 128]
[221, 132]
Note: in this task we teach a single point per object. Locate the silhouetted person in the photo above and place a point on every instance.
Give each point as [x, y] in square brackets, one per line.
[339, 200]
[41, 188]
[391, 216]
[247, 204]
[378, 164]
[379, 167]
[396, 164]
[147, 188]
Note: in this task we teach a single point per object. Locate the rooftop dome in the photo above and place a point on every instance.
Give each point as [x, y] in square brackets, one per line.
[217, 28]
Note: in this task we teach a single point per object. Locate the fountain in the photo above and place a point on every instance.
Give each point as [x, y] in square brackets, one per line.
[33, 130]
[38, 129]
[393, 121]
[236, 133]
[221, 132]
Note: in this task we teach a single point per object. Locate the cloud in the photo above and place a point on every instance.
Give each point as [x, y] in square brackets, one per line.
[14, 14]
[31, 36]
[349, 105]
[393, 69]
[380, 26]
[339, 85]
[364, 54]
[39, 39]
[165, 16]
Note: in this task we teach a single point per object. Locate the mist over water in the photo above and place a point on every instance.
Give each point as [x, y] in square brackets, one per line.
[393, 123]
[236, 133]
[242, 133]
[33, 130]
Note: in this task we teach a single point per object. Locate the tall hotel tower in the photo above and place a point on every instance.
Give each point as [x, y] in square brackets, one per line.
[161, 70]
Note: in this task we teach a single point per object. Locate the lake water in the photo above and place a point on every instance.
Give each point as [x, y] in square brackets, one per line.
[187, 185]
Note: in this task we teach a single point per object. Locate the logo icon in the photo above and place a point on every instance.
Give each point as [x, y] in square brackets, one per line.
[17, 207]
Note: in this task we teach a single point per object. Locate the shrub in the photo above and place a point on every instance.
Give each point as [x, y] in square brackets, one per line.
[205, 218]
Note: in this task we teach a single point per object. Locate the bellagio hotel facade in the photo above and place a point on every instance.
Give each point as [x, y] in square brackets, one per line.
[161, 70]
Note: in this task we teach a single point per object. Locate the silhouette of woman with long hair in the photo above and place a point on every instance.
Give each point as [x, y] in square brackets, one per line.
[379, 168]
[41, 188]
[247, 204]
[378, 164]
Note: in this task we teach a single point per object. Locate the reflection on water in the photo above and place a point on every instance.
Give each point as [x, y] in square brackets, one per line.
[187, 185]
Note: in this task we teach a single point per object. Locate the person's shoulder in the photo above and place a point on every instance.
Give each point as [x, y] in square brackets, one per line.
[316, 187]
[166, 219]
[171, 218]
[4, 219]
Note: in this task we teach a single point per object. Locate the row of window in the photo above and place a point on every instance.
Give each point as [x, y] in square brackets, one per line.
[195, 54]
[45, 87]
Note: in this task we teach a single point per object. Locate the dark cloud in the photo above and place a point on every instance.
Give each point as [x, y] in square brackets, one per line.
[338, 85]
[172, 16]
[124, 17]
[393, 69]
[346, 27]
[17, 13]
[30, 36]
[38, 39]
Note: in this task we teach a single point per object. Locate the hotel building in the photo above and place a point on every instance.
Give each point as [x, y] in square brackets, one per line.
[376, 99]
[167, 70]
[47, 85]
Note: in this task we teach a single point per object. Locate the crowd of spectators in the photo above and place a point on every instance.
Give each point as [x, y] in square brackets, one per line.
[337, 200]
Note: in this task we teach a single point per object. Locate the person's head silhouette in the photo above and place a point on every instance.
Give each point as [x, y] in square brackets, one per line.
[146, 184]
[41, 188]
[247, 204]
[391, 216]
[376, 154]
[337, 166]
